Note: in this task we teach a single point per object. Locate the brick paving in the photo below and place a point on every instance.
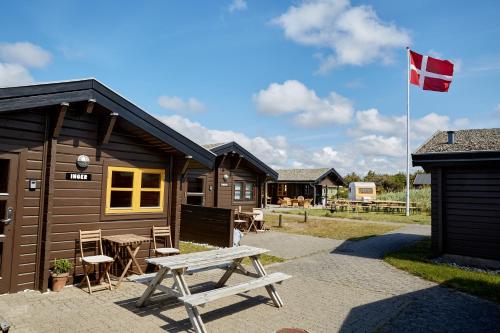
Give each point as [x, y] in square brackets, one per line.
[343, 288]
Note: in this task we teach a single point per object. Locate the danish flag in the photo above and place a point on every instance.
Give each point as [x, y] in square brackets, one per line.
[430, 73]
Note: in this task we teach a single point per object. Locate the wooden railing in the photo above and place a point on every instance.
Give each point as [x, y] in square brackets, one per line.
[207, 225]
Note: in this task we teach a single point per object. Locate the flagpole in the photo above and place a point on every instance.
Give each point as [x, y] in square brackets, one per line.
[408, 134]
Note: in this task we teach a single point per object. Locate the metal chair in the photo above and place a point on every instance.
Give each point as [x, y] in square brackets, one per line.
[167, 249]
[88, 262]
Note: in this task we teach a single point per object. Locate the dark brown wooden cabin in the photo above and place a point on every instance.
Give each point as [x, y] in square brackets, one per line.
[43, 130]
[465, 171]
[316, 184]
[237, 180]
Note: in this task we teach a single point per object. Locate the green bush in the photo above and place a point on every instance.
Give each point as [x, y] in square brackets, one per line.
[422, 197]
[61, 266]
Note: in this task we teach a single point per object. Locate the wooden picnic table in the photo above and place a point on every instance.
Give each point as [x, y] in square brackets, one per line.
[229, 259]
[131, 243]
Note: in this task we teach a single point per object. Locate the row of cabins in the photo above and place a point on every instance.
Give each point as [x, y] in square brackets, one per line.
[75, 155]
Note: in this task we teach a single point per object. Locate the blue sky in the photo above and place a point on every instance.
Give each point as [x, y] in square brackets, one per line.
[299, 83]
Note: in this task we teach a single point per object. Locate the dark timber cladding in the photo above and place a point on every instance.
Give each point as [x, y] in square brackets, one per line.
[43, 130]
[465, 191]
[237, 182]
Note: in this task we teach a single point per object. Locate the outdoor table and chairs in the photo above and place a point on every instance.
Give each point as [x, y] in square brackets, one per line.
[228, 259]
[250, 217]
[124, 249]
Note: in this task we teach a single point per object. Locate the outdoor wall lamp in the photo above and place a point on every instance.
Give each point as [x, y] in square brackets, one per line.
[226, 177]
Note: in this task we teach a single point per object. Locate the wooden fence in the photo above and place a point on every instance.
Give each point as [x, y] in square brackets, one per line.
[207, 225]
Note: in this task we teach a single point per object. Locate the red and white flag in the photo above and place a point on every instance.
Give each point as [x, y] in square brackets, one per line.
[430, 73]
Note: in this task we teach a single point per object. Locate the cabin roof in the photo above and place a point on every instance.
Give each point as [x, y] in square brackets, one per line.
[230, 147]
[54, 93]
[307, 175]
[486, 139]
[469, 145]
[422, 179]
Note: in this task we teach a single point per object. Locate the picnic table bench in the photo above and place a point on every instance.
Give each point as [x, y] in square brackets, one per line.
[229, 259]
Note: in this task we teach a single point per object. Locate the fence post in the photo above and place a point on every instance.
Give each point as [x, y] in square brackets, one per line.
[305, 216]
[280, 220]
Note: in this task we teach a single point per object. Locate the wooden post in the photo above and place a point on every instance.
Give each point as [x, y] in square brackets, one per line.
[305, 216]
[280, 220]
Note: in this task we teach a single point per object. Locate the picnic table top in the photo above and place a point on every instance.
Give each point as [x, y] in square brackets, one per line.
[126, 239]
[200, 259]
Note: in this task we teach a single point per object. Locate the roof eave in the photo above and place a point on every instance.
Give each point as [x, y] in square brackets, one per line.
[25, 97]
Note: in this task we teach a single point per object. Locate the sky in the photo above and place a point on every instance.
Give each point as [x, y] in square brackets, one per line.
[298, 83]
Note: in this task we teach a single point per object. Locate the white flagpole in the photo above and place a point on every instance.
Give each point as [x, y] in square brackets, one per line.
[408, 135]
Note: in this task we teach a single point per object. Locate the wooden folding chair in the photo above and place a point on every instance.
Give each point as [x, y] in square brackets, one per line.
[163, 233]
[88, 262]
[239, 223]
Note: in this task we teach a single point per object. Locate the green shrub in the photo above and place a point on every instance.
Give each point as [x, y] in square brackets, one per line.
[422, 197]
[61, 266]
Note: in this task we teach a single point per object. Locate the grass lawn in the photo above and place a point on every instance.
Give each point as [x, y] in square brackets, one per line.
[328, 229]
[415, 260]
[265, 259]
[370, 216]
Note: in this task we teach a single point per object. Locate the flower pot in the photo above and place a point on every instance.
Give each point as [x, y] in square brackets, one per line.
[59, 281]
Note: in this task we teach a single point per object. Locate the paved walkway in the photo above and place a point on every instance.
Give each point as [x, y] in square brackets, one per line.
[343, 288]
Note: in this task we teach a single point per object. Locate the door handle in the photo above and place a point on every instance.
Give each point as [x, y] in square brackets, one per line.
[10, 216]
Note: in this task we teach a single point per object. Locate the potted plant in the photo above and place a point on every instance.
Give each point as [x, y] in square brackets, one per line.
[60, 273]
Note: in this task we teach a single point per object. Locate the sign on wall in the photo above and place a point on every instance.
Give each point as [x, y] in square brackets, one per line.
[78, 176]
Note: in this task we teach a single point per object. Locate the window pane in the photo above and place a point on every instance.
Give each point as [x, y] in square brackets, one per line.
[150, 180]
[195, 200]
[122, 179]
[121, 199]
[150, 199]
[237, 195]
[238, 186]
[4, 176]
[195, 185]
[249, 186]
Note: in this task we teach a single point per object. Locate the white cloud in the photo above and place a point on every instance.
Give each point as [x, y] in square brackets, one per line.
[272, 151]
[237, 5]
[376, 145]
[355, 35]
[293, 97]
[25, 54]
[177, 104]
[14, 75]
[371, 121]
[376, 153]
[16, 58]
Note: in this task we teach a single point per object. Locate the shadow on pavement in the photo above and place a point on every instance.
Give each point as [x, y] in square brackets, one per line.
[376, 247]
[435, 309]
[160, 304]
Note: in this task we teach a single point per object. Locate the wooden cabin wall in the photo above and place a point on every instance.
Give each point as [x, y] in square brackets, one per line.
[23, 134]
[80, 205]
[225, 194]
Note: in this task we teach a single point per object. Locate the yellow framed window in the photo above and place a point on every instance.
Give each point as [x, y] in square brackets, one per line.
[134, 190]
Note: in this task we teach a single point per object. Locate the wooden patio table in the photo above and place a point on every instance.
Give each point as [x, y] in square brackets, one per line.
[228, 259]
[251, 216]
[132, 243]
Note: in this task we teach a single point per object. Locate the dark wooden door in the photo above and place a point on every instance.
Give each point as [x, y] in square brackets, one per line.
[8, 183]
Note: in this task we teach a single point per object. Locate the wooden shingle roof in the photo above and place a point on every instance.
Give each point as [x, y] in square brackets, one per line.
[487, 139]
[307, 175]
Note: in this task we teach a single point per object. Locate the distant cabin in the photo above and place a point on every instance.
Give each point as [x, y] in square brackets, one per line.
[320, 186]
[364, 191]
[465, 171]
